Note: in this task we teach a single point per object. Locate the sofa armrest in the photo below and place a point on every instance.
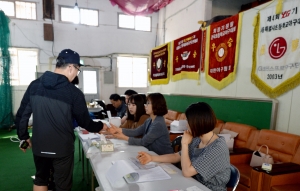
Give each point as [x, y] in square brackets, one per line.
[281, 169]
[240, 156]
[281, 174]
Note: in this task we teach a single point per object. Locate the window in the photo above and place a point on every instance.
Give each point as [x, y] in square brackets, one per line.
[23, 65]
[132, 72]
[90, 82]
[19, 9]
[140, 23]
[82, 16]
[8, 7]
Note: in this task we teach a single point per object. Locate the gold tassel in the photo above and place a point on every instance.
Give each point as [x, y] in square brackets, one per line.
[279, 7]
[255, 20]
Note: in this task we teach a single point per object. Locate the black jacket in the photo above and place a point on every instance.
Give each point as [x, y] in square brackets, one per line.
[54, 102]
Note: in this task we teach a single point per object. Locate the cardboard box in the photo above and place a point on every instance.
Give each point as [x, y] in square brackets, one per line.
[180, 125]
[107, 146]
[229, 140]
[116, 121]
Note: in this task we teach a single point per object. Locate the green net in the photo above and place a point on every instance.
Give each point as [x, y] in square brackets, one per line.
[6, 114]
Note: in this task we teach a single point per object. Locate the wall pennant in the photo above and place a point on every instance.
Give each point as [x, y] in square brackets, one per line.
[186, 57]
[159, 65]
[276, 49]
[222, 51]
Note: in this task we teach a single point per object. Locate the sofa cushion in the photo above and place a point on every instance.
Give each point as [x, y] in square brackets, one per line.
[181, 116]
[282, 146]
[244, 132]
[171, 116]
[296, 157]
[219, 124]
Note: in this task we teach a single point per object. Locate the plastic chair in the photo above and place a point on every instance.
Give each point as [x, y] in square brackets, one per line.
[176, 144]
[103, 113]
[234, 178]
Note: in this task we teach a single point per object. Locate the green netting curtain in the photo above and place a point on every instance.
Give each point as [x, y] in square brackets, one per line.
[6, 116]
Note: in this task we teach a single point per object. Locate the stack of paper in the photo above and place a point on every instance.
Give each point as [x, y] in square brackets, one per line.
[133, 174]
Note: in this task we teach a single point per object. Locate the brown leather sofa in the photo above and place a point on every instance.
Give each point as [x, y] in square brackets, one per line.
[246, 134]
[285, 174]
[171, 116]
[175, 115]
[282, 147]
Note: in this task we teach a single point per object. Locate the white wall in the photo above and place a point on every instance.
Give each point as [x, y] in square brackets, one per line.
[86, 40]
[288, 109]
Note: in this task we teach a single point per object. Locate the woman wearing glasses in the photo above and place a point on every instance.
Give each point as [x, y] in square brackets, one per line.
[136, 113]
[154, 130]
[204, 155]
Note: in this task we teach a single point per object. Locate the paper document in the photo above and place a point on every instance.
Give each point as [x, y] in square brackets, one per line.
[118, 170]
[133, 173]
[137, 163]
[152, 174]
[108, 114]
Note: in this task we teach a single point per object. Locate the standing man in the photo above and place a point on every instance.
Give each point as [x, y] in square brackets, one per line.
[129, 93]
[118, 104]
[54, 102]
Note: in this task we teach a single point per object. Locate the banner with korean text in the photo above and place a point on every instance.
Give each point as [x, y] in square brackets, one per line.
[222, 51]
[186, 57]
[276, 49]
[159, 65]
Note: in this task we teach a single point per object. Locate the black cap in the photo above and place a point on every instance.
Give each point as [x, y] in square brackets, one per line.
[70, 57]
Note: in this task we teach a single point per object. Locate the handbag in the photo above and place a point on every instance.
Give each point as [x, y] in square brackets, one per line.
[258, 158]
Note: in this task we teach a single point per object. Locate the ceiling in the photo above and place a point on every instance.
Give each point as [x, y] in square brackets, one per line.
[140, 7]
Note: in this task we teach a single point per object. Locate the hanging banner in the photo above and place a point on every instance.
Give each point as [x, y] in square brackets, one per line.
[159, 65]
[276, 50]
[222, 51]
[186, 57]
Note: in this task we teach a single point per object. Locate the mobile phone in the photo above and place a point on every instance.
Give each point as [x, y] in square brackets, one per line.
[24, 144]
[257, 154]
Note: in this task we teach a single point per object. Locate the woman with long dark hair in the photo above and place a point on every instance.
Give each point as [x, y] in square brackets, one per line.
[136, 113]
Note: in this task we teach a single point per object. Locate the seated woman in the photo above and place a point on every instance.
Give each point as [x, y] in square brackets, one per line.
[204, 155]
[136, 114]
[154, 130]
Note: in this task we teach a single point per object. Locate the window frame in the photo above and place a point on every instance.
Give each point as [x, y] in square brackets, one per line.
[118, 71]
[17, 56]
[134, 29]
[89, 96]
[15, 10]
[71, 7]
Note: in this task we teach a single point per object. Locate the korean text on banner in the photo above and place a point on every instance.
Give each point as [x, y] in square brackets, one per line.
[186, 56]
[222, 51]
[276, 50]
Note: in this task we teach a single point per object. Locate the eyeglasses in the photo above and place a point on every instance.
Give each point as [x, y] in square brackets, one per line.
[148, 103]
[78, 70]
